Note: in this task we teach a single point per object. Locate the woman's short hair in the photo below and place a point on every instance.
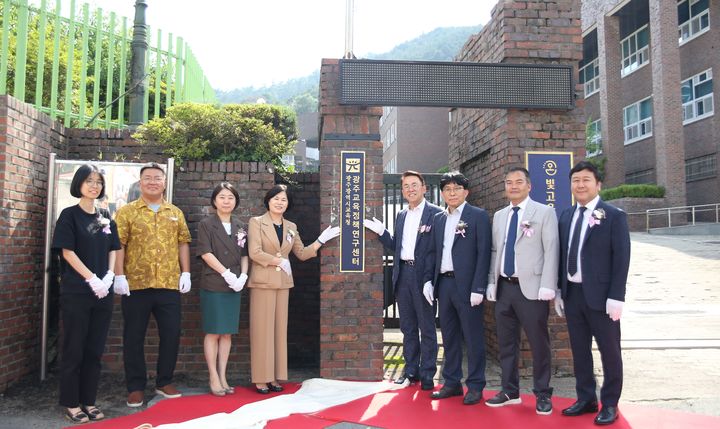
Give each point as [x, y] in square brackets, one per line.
[219, 188]
[276, 190]
[81, 175]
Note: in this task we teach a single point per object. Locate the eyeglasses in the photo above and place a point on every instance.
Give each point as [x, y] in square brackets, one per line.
[452, 190]
[413, 186]
[156, 179]
[94, 183]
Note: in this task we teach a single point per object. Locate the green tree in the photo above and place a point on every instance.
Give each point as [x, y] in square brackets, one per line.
[232, 132]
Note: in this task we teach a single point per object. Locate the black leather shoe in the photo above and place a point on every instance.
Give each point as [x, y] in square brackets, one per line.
[580, 407]
[262, 390]
[275, 387]
[606, 416]
[427, 385]
[447, 392]
[472, 397]
[405, 377]
[543, 404]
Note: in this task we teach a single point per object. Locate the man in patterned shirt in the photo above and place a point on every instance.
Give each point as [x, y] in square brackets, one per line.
[155, 249]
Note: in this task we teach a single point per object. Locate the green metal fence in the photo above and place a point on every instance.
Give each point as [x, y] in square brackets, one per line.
[77, 68]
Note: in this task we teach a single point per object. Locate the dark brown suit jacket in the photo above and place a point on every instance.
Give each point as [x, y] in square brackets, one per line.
[228, 249]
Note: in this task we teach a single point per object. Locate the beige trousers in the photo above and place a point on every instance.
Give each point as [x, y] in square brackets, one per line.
[268, 334]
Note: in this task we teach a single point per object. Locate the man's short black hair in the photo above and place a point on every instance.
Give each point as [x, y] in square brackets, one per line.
[153, 165]
[585, 165]
[276, 190]
[412, 173]
[81, 175]
[219, 188]
[523, 170]
[455, 177]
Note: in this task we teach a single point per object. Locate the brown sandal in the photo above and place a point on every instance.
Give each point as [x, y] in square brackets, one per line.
[77, 418]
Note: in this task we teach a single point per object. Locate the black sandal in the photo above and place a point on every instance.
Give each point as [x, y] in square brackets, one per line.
[77, 418]
[93, 412]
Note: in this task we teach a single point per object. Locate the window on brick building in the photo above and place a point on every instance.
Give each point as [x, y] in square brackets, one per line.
[697, 97]
[391, 166]
[637, 120]
[642, 177]
[589, 66]
[593, 139]
[702, 167]
[635, 50]
[693, 19]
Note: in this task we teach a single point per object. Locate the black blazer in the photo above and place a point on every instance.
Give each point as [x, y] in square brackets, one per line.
[470, 254]
[604, 259]
[422, 242]
[228, 249]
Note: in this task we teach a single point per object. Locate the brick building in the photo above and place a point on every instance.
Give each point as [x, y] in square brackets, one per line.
[414, 138]
[647, 75]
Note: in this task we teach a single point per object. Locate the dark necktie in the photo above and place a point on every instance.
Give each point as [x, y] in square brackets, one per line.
[509, 267]
[575, 243]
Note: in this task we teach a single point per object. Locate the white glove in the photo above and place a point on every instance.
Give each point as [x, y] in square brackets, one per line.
[428, 293]
[121, 286]
[108, 278]
[559, 306]
[329, 233]
[185, 283]
[229, 277]
[239, 283]
[97, 286]
[475, 299]
[374, 225]
[614, 309]
[491, 292]
[546, 294]
[285, 266]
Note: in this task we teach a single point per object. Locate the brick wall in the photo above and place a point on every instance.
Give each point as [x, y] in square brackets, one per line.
[110, 145]
[351, 304]
[485, 143]
[26, 139]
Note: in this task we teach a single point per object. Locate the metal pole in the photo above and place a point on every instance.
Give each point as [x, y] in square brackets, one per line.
[46, 266]
[349, 17]
[170, 178]
[137, 68]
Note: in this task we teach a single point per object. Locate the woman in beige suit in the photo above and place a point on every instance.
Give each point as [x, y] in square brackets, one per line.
[271, 238]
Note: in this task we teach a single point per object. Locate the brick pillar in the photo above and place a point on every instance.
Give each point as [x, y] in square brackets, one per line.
[611, 109]
[351, 304]
[667, 104]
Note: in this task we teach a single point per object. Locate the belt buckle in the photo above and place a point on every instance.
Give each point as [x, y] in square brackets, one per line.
[410, 262]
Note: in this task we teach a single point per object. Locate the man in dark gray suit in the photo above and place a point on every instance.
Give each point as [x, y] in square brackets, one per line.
[409, 244]
[523, 279]
[593, 270]
[456, 271]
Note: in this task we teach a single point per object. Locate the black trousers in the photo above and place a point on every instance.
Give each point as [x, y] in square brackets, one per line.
[513, 311]
[86, 321]
[164, 305]
[584, 323]
[417, 323]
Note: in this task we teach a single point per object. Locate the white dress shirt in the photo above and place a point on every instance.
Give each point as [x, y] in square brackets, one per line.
[577, 278]
[446, 264]
[522, 206]
[410, 231]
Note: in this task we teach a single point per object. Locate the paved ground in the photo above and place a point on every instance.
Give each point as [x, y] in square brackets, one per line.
[671, 341]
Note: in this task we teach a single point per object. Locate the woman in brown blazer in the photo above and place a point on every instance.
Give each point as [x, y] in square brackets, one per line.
[271, 238]
[222, 245]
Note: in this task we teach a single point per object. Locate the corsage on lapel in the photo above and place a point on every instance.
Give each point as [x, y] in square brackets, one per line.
[597, 216]
[424, 228]
[241, 237]
[290, 235]
[104, 223]
[460, 228]
[526, 228]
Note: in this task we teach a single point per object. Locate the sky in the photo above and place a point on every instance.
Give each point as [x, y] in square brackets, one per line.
[241, 43]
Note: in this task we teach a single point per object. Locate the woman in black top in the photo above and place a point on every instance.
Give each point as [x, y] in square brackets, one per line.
[88, 240]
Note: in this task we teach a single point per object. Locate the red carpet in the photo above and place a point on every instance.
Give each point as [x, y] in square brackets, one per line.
[412, 408]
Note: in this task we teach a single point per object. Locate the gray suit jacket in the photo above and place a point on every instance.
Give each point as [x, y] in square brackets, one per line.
[536, 254]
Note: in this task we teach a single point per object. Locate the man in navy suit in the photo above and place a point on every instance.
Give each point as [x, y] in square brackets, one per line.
[410, 244]
[593, 270]
[456, 272]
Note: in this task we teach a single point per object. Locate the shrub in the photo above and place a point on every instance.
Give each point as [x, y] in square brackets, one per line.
[633, 191]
